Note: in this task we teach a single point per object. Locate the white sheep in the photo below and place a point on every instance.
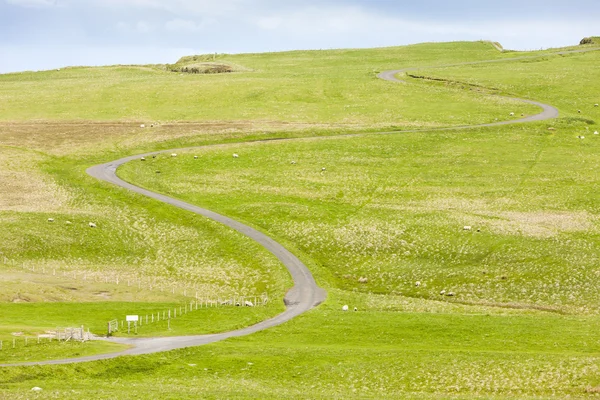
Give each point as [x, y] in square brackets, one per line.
[443, 292]
[512, 114]
[50, 219]
[142, 126]
[92, 225]
[143, 158]
[293, 162]
[248, 304]
[345, 308]
[174, 155]
[355, 309]
[467, 228]
[195, 157]
[596, 133]
[323, 169]
[236, 156]
[581, 137]
[418, 284]
[596, 105]
[68, 223]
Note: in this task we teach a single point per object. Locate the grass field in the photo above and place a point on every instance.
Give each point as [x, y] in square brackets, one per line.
[523, 317]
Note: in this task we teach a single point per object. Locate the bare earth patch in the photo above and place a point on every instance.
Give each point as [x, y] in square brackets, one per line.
[539, 224]
[23, 188]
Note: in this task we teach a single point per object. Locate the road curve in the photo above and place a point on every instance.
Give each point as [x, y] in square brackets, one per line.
[305, 294]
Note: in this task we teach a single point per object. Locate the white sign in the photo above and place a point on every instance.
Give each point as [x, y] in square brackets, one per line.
[133, 318]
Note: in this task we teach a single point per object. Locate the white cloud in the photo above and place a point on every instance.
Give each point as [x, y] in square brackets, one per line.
[33, 3]
[184, 25]
[143, 27]
[356, 24]
[180, 7]
[137, 27]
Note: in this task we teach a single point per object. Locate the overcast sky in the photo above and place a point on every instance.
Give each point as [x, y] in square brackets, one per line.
[44, 34]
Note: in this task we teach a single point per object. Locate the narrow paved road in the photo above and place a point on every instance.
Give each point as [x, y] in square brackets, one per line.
[305, 294]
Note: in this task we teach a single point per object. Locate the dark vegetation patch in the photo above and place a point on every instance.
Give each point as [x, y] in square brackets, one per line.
[590, 40]
[207, 68]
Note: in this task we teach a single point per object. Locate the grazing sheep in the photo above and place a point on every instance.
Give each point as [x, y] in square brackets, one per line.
[195, 157]
[142, 126]
[450, 294]
[151, 125]
[92, 225]
[174, 155]
[443, 292]
[36, 389]
[50, 219]
[363, 280]
[68, 223]
[467, 228]
[596, 105]
[596, 133]
[581, 137]
[248, 304]
[154, 156]
[293, 162]
[512, 114]
[418, 284]
[143, 158]
[236, 156]
[323, 169]
[522, 115]
[578, 111]
[551, 129]
[345, 308]
[237, 304]
[355, 309]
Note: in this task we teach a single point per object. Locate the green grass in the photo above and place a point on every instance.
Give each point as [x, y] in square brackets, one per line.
[371, 353]
[569, 82]
[391, 208]
[32, 351]
[321, 87]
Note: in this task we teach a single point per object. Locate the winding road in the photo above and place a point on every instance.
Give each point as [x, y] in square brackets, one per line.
[305, 294]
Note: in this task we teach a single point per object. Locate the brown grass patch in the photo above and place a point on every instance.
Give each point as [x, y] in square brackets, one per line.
[537, 223]
[25, 189]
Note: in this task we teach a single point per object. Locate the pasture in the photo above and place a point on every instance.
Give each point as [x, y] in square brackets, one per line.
[505, 310]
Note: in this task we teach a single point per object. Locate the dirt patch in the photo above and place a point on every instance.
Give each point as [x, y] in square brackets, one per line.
[536, 223]
[23, 187]
[104, 295]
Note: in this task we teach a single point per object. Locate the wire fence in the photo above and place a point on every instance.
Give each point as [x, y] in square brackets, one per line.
[178, 312]
[79, 334]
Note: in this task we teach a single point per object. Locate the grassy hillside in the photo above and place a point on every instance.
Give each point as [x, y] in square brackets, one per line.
[390, 208]
[336, 87]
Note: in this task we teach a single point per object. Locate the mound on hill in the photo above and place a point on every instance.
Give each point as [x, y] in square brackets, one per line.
[590, 40]
[204, 64]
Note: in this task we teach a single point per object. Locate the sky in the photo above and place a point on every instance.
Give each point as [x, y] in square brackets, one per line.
[48, 34]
